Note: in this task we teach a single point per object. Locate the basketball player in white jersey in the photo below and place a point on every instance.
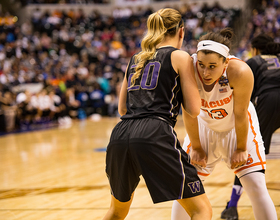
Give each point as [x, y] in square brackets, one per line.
[227, 127]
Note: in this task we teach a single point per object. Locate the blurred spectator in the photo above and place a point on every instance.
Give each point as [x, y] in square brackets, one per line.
[71, 103]
[9, 108]
[265, 19]
[27, 112]
[97, 99]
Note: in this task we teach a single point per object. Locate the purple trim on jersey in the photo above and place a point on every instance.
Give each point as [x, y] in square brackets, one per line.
[173, 95]
[182, 168]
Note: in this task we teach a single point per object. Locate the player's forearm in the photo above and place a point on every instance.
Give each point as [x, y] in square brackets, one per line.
[191, 125]
[241, 129]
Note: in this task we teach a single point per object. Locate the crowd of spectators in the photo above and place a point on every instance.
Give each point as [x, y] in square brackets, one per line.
[79, 59]
[265, 19]
[65, 1]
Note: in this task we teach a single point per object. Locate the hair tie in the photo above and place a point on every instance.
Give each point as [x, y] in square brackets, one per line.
[213, 46]
[158, 13]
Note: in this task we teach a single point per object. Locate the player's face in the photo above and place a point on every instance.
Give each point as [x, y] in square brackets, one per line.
[210, 67]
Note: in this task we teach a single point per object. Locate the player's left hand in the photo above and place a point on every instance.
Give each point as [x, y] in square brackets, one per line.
[239, 158]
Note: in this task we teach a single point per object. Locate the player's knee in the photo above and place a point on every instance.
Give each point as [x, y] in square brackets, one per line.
[117, 214]
[203, 210]
[205, 214]
[254, 182]
[207, 211]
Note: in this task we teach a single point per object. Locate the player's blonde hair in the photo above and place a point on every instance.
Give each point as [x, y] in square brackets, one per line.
[164, 22]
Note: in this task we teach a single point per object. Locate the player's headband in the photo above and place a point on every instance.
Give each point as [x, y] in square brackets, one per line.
[213, 46]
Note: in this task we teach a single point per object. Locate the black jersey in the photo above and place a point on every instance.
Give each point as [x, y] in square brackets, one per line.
[266, 69]
[157, 92]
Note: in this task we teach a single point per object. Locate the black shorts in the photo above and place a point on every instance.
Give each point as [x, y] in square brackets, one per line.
[149, 147]
[268, 107]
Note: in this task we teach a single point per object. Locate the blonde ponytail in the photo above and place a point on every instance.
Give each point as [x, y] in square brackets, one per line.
[160, 24]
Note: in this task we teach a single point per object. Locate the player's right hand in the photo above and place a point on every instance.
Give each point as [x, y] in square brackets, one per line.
[239, 158]
[198, 157]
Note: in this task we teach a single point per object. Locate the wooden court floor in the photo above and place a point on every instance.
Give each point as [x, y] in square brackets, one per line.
[58, 174]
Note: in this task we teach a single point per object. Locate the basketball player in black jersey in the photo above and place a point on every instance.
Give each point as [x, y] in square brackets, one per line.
[158, 80]
[265, 65]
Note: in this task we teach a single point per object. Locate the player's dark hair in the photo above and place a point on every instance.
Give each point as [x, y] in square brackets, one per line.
[222, 37]
[265, 44]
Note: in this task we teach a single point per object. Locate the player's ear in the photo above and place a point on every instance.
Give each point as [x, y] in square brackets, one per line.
[227, 61]
[182, 32]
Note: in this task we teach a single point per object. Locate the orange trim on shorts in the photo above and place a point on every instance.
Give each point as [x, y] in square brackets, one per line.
[188, 148]
[257, 144]
[257, 149]
[252, 165]
[202, 174]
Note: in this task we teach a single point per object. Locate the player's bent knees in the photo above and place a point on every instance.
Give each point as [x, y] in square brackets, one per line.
[117, 216]
[114, 214]
[205, 208]
[197, 207]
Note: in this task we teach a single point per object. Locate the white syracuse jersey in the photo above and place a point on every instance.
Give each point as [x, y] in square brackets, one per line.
[217, 129]
[217, 105]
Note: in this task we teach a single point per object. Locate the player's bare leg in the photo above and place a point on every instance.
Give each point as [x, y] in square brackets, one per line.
[197, 207]
[118, 210]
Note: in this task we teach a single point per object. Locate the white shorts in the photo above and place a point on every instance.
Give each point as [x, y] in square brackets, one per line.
[221, 145]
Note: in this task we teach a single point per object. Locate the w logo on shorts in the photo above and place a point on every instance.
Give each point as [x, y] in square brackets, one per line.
[194, 186]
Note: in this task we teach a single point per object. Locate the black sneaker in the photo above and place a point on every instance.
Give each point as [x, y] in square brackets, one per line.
[229, 213]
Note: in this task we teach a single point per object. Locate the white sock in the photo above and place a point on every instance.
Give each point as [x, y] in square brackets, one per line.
[255, 187]
[178, 212]
[238, 189]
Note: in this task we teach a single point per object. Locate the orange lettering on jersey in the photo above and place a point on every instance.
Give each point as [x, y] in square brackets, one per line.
[220, 103]
[249, 160]
[206, 104]
[220, 113]
[202, 102]
[212, 104]
[210, 115]
[226, 100]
